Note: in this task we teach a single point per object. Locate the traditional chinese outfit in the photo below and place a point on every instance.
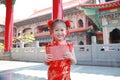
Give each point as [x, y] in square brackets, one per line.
[59, 69]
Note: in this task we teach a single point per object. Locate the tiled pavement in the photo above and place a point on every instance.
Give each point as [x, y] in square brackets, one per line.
[14, 70]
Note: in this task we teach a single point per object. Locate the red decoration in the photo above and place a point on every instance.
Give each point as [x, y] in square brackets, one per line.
[57, 9]
[50, 22]
[58, 51]
[67, 22]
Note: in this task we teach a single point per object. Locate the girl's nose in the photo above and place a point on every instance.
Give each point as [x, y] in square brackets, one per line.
[59, 32]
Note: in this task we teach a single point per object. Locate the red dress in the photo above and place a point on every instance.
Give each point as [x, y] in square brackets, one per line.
[59, 69]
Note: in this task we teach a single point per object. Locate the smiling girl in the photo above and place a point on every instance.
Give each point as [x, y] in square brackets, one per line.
[59, 69]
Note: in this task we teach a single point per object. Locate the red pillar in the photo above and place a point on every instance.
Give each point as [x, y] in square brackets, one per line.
[8, 27]
[57, 9]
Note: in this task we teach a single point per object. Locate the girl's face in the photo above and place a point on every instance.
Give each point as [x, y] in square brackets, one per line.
[59, 31]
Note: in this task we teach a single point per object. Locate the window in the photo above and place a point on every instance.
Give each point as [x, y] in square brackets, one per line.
[80, 23]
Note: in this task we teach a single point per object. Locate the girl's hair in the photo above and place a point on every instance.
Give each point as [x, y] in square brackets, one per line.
[58, 21]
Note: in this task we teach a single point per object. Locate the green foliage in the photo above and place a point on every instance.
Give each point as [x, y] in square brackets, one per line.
[27, 38]
[1, 45]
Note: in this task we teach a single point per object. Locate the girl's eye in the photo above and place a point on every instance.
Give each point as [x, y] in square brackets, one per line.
[62, 30]
[56, 30]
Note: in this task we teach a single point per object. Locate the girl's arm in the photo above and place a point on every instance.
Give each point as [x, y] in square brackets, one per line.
[73, 59]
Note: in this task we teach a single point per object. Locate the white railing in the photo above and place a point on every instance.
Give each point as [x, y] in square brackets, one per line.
[96, 54]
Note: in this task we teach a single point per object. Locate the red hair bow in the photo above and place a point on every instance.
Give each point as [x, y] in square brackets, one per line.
[50, 22]
[67, 22]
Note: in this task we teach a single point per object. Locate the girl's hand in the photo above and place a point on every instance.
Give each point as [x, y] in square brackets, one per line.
[48, 58]
[68, 55]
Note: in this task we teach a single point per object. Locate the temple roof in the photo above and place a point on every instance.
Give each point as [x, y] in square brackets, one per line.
[103, 6]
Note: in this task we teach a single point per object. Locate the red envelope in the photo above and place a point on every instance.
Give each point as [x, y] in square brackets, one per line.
[58, 51]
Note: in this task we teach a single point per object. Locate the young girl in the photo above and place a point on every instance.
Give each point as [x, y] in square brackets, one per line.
[59, 69]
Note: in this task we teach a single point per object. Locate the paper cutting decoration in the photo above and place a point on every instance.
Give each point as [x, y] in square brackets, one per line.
[58, 51]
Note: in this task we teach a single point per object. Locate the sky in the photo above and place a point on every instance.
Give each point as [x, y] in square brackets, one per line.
[25, 8]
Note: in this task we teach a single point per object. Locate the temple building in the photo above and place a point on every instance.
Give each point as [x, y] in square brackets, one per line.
[106, 15]
[92, 21]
